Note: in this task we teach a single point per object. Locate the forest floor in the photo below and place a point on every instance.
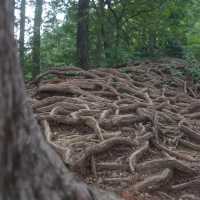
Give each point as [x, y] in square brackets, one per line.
[134, 130]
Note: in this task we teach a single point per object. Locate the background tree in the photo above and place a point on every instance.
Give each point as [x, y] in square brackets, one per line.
[118, 32]
[36, 38]
[102, 36]
[83, 34]
[22, 32]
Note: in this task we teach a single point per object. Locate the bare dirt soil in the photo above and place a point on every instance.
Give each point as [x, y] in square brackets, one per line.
[133, 130]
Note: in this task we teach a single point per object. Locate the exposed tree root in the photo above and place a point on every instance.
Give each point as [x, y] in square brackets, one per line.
[163, 163]
[194, 107]
[188, 184]
[48, 101]
[131, 107]
[60, 119]
[112, 166]
[92, 123]
[189, 145]
[154, 182]
[64, 152]
[191, 133]
[123, 120]
[102, 147]
[93, 164]
[136, 155]
[155, 127]
[145, 137]
[189, 197]
[117, 180]
[162, 105]
[113, 124]
[175, 154]
[165, 196]
[193, 115]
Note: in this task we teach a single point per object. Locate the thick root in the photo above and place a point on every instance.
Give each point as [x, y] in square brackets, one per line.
[154, 182]
[163, 163]
[135, 156]
[101, 148]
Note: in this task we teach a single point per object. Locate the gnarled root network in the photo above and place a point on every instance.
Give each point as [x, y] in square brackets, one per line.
[134, 125]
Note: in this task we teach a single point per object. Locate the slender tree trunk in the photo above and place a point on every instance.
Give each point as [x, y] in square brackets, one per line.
[99, 41]
[106, 45]
[98, 50]
[117, 39]
[36, 38]
[29, 168]
[22, 31]
[83, 34]
[151, 42]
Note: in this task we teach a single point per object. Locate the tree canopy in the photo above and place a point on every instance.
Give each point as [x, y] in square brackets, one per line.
[118, 31]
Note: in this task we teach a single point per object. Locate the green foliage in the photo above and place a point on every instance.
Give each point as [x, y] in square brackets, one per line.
[175, 72]
[28, 76]
[193, 69]
[124, 31]
[58, 47]
[58, 43]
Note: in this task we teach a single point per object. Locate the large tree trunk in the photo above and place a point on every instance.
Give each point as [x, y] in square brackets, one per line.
[83, 33]
[29, 168]
[22, 30]
[36, 38]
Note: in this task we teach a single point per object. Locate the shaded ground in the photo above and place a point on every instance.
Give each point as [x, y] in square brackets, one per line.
[133, 130]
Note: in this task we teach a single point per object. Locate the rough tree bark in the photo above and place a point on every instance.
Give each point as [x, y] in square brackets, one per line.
[12, 8]
[83, 34]
[29, 168]
[36, 38]
[22, 30]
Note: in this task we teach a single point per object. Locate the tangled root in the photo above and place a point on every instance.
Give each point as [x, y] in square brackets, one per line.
[114, 126]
